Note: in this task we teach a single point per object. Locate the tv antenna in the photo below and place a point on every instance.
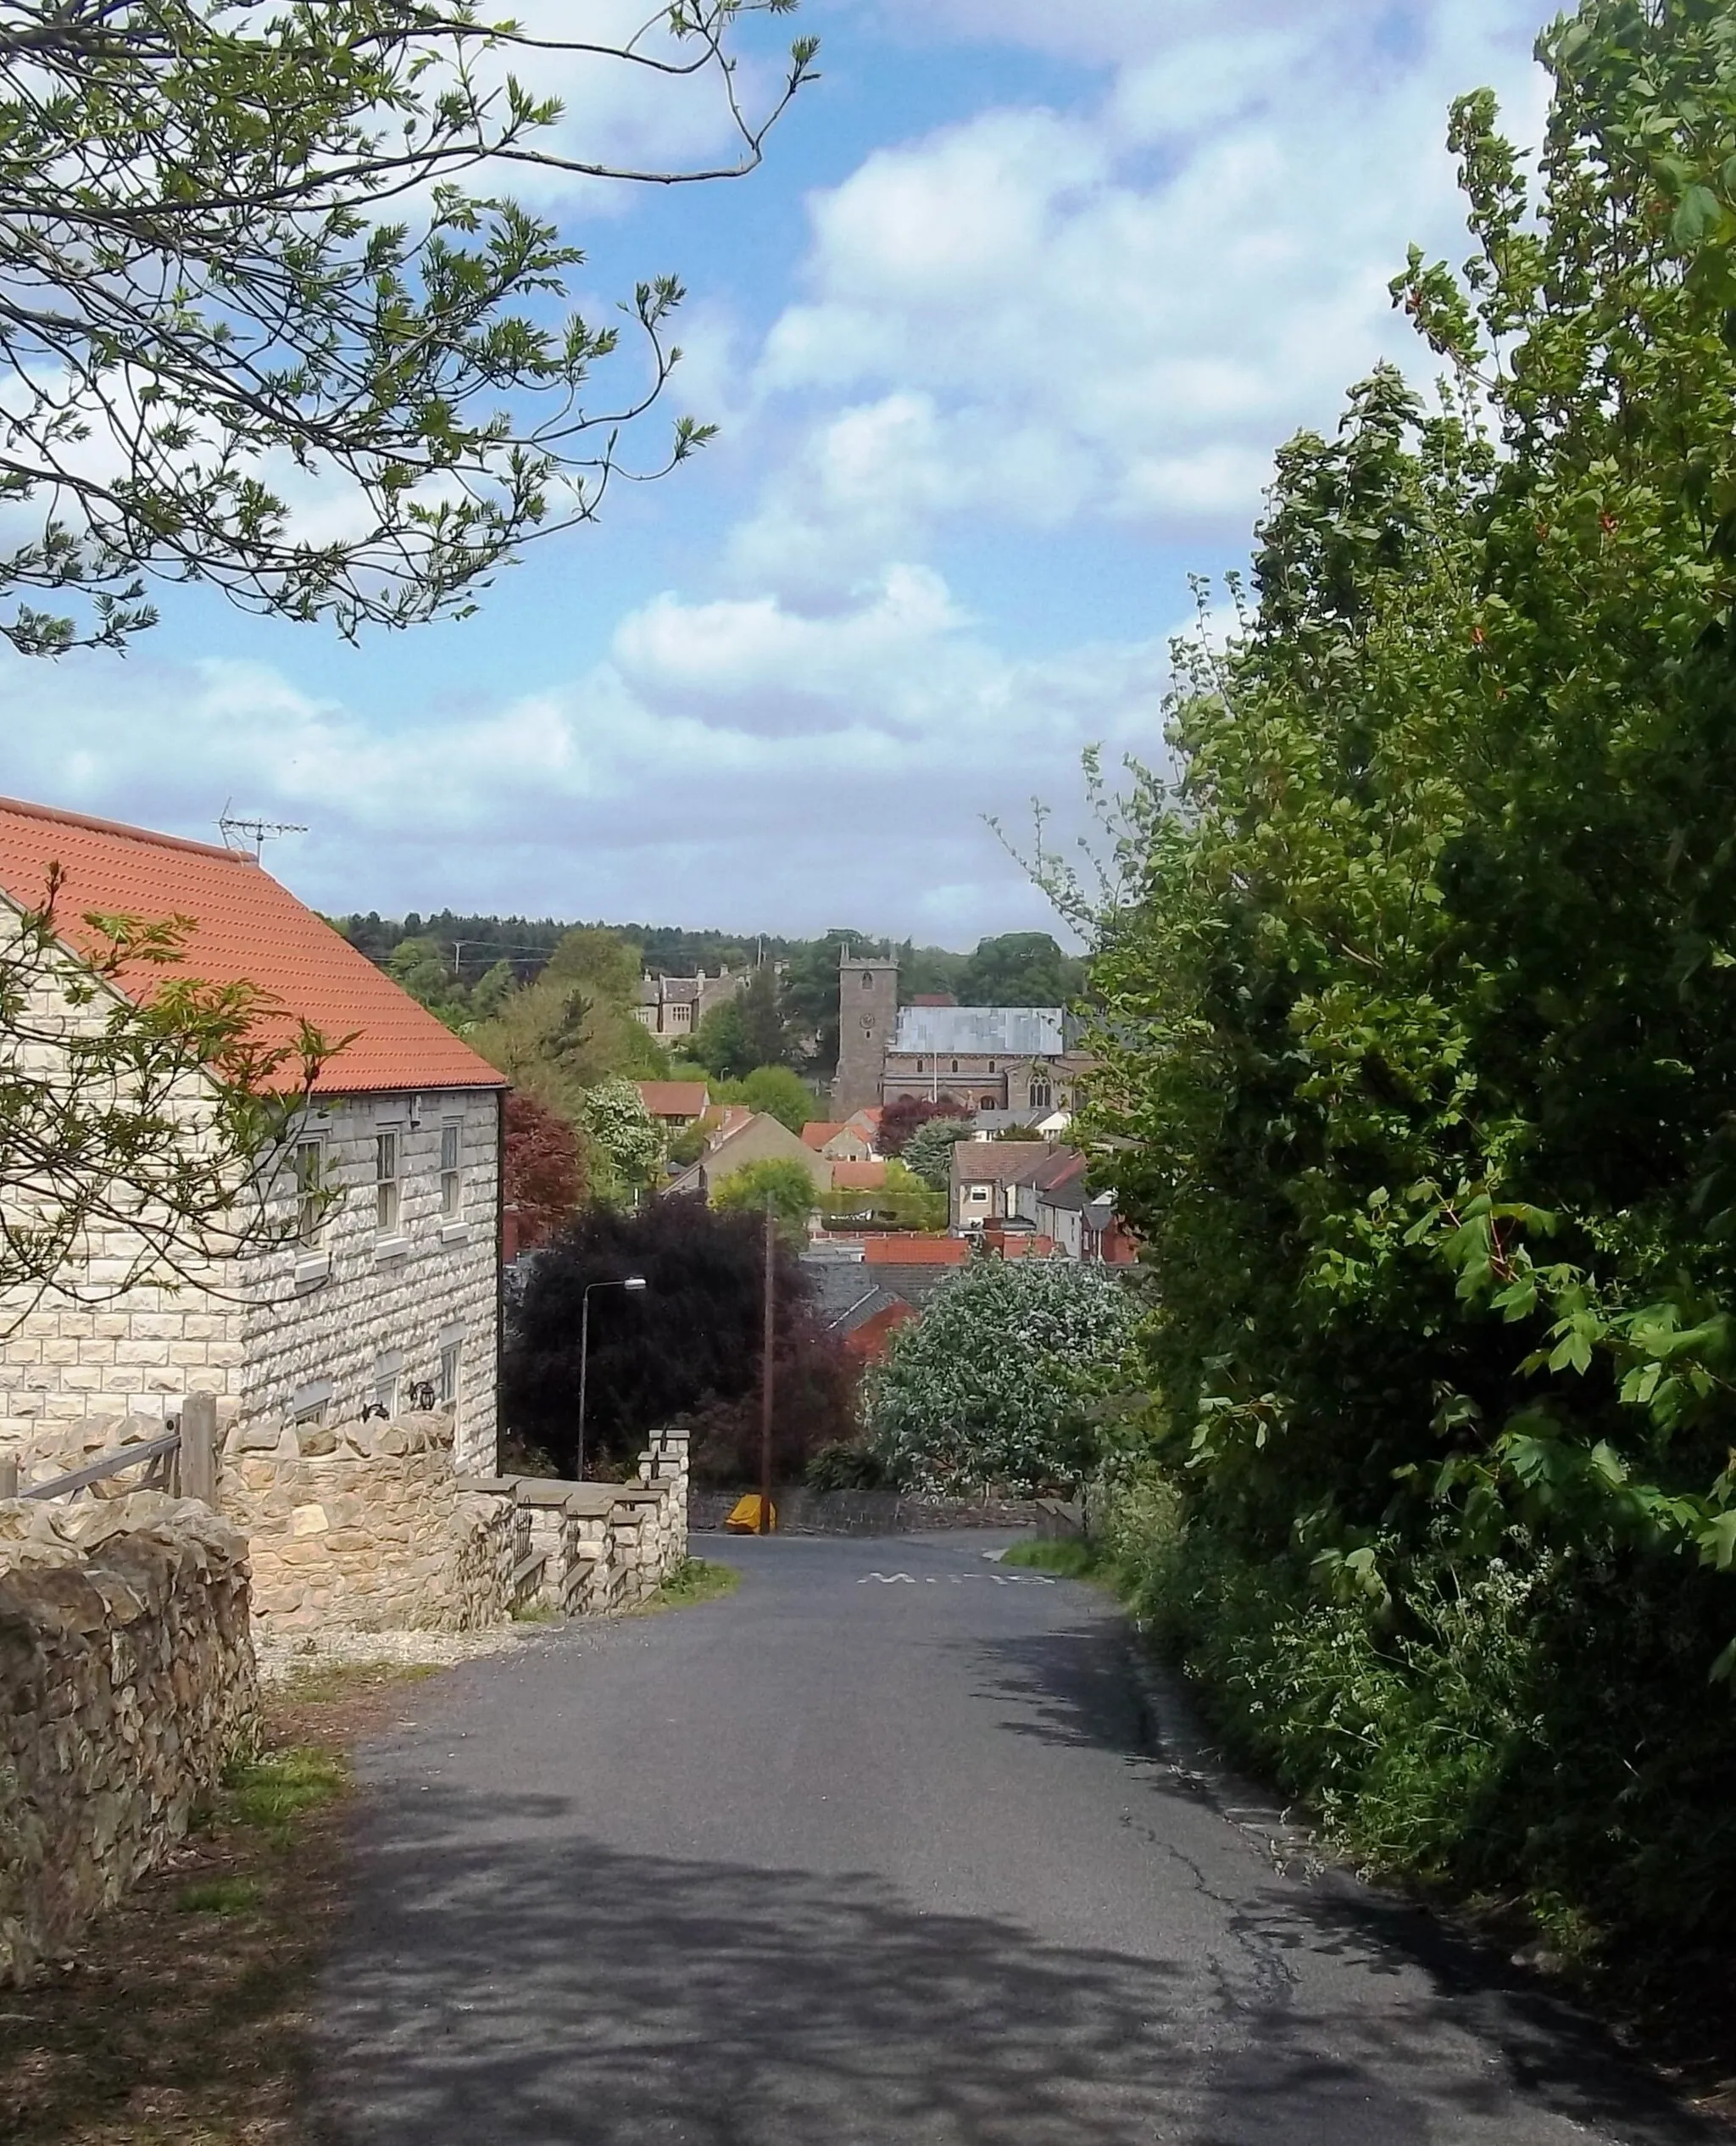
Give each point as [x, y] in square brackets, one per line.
[253, 834]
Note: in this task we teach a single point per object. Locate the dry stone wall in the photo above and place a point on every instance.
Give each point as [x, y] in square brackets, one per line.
[366, 1526]
[126, 1681]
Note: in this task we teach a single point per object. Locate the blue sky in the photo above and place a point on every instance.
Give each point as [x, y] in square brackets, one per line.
[1001, 338]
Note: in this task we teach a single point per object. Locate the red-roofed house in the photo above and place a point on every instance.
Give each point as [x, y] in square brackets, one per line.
[857, 1177]
[676, 1104]
[385, 1298]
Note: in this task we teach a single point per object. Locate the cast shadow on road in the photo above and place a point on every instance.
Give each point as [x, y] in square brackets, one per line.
[507, 1981]
[1072, 1686]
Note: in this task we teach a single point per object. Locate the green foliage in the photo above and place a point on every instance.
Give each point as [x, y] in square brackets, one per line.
[787, 1185]
[694, 1580]
[1420, 1030]
[991, 1385]
[625, 1138]
[253, 250]
[575, 1027]
[721, 1042]
[845, 1466]
[233, 1895]
[776, 1091]
[928, 1152]
[1071, 1557]
[272, 1791]
[902, 1202]
[1020, 968]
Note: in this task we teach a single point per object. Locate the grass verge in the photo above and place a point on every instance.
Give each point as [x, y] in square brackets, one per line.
[1071, 1557]
[181, 2020]
[694, 1580]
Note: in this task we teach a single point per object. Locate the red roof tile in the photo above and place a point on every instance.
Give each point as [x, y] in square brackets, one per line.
[857, 1177]
[247, 929]
[819, 1130]
[902, 1251]
[674, 1098]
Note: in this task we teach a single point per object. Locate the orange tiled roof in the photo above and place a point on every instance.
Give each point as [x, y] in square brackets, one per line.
[674, 1098]
[247, 928]
[857, 1177]
[819, 1130]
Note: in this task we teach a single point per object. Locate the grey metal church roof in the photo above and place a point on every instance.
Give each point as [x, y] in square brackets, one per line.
[996, 1031]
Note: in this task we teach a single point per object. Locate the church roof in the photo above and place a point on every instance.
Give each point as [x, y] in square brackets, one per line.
[993, 1031]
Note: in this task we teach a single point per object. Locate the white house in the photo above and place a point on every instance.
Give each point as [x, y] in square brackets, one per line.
[381, 1293]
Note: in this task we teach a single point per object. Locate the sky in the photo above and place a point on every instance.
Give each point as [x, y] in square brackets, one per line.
[1000, 340]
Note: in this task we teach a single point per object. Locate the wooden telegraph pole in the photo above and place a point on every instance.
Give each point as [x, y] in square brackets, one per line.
[767, 1374]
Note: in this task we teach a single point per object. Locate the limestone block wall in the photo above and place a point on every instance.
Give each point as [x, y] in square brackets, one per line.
[296, 1329]
[126, 1681]
[365, 1524]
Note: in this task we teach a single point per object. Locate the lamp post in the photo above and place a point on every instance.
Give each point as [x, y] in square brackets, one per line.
[620, 1281]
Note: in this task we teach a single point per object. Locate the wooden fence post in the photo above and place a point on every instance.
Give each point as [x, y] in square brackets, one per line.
[198, 1448]
[9, 1475]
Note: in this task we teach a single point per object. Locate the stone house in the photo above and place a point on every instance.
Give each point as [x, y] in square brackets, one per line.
[853, 1139]
[760, 1138]
[988, 1177]
[379, 1291]
[672, 1006]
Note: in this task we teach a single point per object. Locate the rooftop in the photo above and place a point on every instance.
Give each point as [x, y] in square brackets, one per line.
[246, 928]
[985, 1031]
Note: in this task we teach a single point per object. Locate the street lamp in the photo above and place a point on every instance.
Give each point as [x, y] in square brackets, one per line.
[619, 1281]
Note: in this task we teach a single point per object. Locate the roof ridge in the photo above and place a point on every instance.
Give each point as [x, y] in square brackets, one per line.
[29, 811]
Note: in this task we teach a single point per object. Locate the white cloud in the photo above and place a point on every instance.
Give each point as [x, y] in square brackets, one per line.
[731, 759]
[1116, 313]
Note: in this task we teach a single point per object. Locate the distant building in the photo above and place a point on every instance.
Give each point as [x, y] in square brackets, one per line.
[1005, 1065]
[675, 1104]
[672, 1006]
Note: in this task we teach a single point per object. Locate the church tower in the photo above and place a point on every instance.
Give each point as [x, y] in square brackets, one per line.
[867, 1020]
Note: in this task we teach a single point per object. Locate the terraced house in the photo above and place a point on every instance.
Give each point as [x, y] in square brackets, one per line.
[380, 1290]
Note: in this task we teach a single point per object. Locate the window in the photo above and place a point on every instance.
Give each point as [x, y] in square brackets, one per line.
[446, 1391]
[1041, 1094]
[309, 1403]
[867, 980]
[955, 1065]
[977, 1195]
[387, 1189]
[309, 1204]
[451, 1175]
[387, 1367]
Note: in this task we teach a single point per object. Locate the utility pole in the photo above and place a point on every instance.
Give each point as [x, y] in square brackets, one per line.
[766, 1372]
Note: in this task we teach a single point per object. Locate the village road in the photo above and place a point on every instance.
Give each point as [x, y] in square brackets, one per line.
[856, 1859]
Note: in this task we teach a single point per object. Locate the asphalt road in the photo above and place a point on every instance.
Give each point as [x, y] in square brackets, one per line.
[849, 1860]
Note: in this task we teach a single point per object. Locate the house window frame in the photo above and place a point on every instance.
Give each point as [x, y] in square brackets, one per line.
[388, 1381]
[452, 1171]
[388, 1182]
[451, 1371]
[308, 1191]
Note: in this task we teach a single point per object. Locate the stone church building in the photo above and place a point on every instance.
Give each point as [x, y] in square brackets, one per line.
[1021, 1061]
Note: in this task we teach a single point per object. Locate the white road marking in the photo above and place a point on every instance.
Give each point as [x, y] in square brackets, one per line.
[958, 1579]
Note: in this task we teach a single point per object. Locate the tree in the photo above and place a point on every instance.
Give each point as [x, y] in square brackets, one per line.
[626, 1138]
[928, 1152]
[575, 1026]
[786, 1185]
[1021, 968]
[254, 266]
[902, 1200]
[904, 1114]
[1420, 1030]
[491, 992]
[776, 1091]
[765, 1033]
[810, 995]
[987, 1388]
[545, 1170]
[138, 1101]
[721, 1042]
[687, 1346]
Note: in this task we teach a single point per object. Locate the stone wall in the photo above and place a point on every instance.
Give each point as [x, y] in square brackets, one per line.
[369, 1526]
[126, 1681]
[366, 1525]
[292, 1330]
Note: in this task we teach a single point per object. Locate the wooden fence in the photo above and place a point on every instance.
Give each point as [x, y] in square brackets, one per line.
[184, 1461]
